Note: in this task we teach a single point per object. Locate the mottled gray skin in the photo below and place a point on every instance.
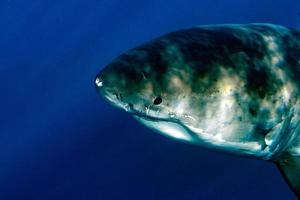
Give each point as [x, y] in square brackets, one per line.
[233, 88]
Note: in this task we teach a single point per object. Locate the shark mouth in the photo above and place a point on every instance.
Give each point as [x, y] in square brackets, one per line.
[165, 127]
[169, 127]
[177, 130]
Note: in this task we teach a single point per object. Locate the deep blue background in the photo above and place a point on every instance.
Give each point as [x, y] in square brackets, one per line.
[59, 140]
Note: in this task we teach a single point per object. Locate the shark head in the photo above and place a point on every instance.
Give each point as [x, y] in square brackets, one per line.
[153, 87]
[201, 91]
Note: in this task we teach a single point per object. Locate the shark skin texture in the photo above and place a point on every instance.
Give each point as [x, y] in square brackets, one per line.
[232, 88]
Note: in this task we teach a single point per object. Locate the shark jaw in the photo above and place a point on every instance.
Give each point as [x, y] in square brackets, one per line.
[166, 128]
[197, 136]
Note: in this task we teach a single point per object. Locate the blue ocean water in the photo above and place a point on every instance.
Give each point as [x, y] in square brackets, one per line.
[59, 140]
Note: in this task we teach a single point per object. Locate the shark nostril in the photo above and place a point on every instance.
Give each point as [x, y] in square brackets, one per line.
[117, 96]
[130, 105]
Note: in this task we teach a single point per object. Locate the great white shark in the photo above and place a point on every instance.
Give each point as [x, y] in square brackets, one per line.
[233, 88]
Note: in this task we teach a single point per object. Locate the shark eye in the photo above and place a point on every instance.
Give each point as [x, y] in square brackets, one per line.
[157, 101]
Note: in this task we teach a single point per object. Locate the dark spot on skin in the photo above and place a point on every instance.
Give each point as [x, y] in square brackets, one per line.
[154, 58]
[253, 111]
[157, 101]
[240, 118]
[261, 94]
[257, 82]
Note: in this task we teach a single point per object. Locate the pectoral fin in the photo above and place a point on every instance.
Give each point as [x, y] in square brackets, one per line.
[290, 168]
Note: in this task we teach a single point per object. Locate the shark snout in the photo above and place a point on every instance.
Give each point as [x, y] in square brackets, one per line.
[98, 82]
[99, 85]
[109, 93]
[104, 90]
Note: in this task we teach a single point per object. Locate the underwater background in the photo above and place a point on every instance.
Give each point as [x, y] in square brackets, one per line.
[60, 140]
